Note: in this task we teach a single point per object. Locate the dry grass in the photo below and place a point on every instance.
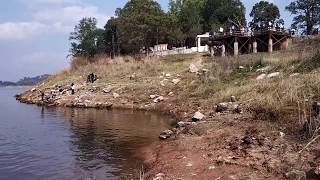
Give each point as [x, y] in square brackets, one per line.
[277, 99]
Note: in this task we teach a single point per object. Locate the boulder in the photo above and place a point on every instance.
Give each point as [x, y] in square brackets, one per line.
[165, 134]
[198, 116]
[296, 175]
[221, 107]
[107, 89]
[176, 81]
[115, 95]
[193, 68]
[273, 75]
[261, 76]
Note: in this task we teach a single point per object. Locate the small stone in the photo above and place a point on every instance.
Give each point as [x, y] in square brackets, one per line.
[153, 96]
[171, 94]
[193, 68]
[261, 76]
[162, 83]
[198, 116]
[158, 99]
[273, 75]
[189, 165]
[33, 89]
[116, 95]
[165, 134]
[265, 69]
[241, 67]
[294, 74]
[282, 134]
[108, 89]
[168, 75]
[176, 81]
[211, 167]
[205, 70]
[233, 99]
[221, 107]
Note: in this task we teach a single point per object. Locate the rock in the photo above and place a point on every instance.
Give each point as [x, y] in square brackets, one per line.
[205, 70]
[237, 109]
[273, 75]
[198, 116]
[153, 96]
[221, 107]
[241, 67]
[133, 76]
[165, 134]
[282, 134]
[158, 99]
[296, 175]
[176, 81]
[211, 167]
[162, 83]
[168, 75]
[247, 140]
[294, 74]
[116, 95]
[183, 124]
[264, 69]
[233, 99]
[261, 76]
[171, 94]
[108, 89]
[193, 68]
[33, 89]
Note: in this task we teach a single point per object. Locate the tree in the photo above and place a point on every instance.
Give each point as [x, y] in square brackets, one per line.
[264, 12]
[86, 39]
[139, 25]
[188, 16]
[223, 13]
[111, 38]
[307, 14]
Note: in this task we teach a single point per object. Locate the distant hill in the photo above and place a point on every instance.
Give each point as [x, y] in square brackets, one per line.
[26, 81]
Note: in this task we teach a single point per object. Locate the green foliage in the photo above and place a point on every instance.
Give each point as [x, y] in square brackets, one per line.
[264, 12]
[307, 14]
[140, 24]
[86, 40]
[223, 13]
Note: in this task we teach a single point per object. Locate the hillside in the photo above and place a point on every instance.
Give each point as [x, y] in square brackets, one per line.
[260, 111]
[26, 81]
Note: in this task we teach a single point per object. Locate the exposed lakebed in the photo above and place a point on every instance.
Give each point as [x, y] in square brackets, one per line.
[69, 143]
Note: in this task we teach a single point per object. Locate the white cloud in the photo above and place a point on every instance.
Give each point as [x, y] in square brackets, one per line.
[50, 16]
[20, 30]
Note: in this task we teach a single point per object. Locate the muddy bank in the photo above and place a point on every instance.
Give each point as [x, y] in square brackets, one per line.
[223, 144]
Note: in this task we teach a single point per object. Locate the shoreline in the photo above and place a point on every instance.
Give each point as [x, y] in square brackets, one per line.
[202, 146]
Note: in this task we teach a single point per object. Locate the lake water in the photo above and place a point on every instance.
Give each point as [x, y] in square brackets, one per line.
[66, 143]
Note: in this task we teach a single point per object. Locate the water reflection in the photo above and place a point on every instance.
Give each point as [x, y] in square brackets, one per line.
[64, 143]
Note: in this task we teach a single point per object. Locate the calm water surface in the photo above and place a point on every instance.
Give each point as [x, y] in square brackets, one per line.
[65, 143]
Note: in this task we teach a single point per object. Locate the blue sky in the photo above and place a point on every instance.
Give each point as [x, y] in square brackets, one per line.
[34, 33]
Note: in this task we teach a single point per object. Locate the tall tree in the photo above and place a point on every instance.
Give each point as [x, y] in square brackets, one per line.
[84, 39]
[264, 12]
[307, 14]
[139, 24]
[188, 15]
[223, 13]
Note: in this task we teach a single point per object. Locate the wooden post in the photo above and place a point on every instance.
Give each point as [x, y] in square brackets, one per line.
[223, 51]
[255, 47]
[199, 43]
[236, 47]
[286, 44]
[270, 44]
